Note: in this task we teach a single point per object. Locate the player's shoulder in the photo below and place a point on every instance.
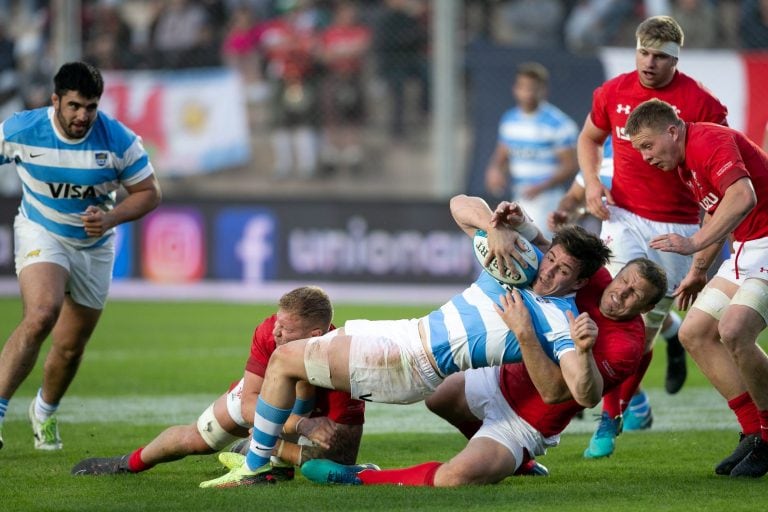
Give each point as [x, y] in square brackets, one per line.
[554, 113]
[619, 83]
[115, 131]
[25, 121]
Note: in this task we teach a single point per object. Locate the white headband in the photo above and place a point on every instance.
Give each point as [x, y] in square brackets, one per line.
[670, 48]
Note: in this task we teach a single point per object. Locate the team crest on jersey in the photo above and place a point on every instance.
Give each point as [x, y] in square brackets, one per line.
[101, 158]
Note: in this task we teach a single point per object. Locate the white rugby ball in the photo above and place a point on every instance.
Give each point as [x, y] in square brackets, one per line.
[517, 275]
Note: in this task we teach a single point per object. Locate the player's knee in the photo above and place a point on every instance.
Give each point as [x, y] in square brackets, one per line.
[211, 432]
[39, 320]
[285, 359]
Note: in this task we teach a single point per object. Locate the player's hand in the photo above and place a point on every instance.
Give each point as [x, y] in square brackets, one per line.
[583, 331]
[505, 247]
[515, 315]
[557, 219]
[674, 243]
[594, 199]
[688, 289]
[509, 213]
[96, 221]
[319, 430]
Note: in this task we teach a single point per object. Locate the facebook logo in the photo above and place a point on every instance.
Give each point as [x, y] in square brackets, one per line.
[246, 245]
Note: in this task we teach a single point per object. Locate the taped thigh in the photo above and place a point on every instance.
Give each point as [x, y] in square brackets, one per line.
[212, 432]
[316, 362]
[712, 301]
[753, 294]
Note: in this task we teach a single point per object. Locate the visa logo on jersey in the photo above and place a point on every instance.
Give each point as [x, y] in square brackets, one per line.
[70, 191]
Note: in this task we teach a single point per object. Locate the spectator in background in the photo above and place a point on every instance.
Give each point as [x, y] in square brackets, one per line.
[343, 46]
[240, 50]
[400, 43]
[754, 24]
[529, 23]
[10, 102]
[698, 18]
[107, 36]
[592, 23]
[182, 36]
[288, 43]
[536, 149]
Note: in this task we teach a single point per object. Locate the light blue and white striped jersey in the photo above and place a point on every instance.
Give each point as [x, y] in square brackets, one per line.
[533, 141]
[61, 177]
[468, 333]
[606, 166]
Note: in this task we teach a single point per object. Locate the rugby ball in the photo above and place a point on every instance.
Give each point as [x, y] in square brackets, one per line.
[516, 276]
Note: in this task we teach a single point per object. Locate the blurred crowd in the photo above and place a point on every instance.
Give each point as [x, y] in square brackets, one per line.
[312, 62]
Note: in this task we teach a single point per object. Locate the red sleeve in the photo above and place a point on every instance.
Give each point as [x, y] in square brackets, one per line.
[339, 407]
[262, 346]
[599, 114]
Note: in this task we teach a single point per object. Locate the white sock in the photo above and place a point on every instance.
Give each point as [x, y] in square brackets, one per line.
[43, 410]
[674, 327]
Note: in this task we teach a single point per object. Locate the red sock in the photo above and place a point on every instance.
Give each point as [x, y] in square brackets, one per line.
[611, 403]
[763, 425]
[746, 413]
[135, 464]
[422, 475]
[631, 384]
[469, 428]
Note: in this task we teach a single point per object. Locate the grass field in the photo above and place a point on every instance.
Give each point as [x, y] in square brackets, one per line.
[153, 364]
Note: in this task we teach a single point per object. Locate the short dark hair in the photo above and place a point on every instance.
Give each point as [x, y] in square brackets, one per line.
[654, 114]
[654, 274]
[534, 71]
[80, 77]
[584, 246]
[311, 303]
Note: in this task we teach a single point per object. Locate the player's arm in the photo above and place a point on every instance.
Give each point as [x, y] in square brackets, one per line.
[739, 199]
[590, 154]
[497, 173]
[251, 388]
[142, 198]
[343, 449]
[568, 207]
[696, 278]
[545, 374]
[578, 366]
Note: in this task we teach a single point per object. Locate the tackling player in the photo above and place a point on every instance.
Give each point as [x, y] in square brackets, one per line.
[728, 174]
[641, 202]
[515, 412]
[330, 418]
[404, 361]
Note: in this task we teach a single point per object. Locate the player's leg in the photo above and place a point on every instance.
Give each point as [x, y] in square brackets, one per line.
[42, 288]
[699, 335]
[450, 403]
[741, 323]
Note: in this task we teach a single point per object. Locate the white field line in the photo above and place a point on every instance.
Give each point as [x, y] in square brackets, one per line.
[691, 409]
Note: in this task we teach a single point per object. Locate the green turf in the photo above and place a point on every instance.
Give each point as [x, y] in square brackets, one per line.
[150, 349]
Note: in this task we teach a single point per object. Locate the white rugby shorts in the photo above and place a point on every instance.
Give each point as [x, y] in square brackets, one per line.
[500, 422]
[90, 270]
[627, 236]
[387, 362]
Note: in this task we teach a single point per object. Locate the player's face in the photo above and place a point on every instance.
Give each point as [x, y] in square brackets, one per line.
[627, 295]
[528, 93]
[290, 327]
[558, 273]
[654, 68]
[658, 148]
[74, 113]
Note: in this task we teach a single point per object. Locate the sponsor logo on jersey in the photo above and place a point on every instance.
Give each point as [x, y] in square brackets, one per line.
[623, 109]
[69, 191]
[709, 201]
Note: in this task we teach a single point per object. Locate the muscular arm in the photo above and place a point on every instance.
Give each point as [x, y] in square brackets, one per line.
[590, 153]
[578, 366]
[343, 449]
[737, 202]
[142, 198]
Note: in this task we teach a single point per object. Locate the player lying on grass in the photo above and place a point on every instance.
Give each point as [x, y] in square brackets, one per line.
[404, 361]
[512, 413]
[331, 419]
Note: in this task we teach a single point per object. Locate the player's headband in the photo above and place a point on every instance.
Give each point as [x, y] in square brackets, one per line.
[669, 47]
